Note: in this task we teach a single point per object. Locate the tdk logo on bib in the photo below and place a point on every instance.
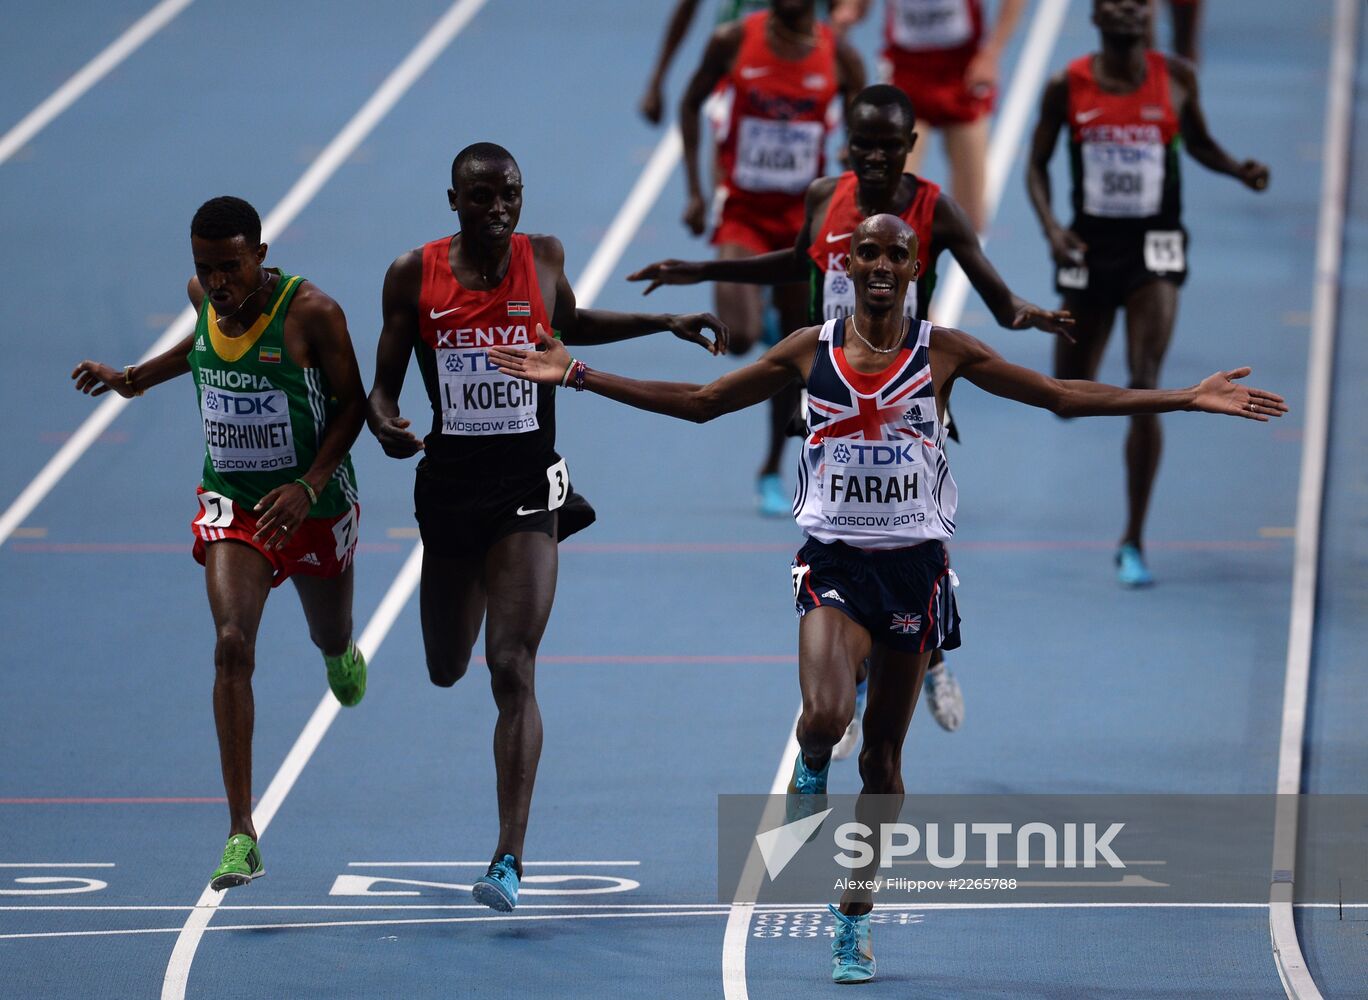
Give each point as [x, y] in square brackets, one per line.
[247, 431]
[869, 455]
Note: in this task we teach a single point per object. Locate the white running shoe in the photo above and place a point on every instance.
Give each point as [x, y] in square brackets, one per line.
[850, 742]
[944, 696]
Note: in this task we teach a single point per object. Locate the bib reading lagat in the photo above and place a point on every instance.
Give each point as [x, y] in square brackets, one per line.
[931, 24]
[247, 431]
[873, 484]
[777, 156]
[478, 399]
[1123, 179]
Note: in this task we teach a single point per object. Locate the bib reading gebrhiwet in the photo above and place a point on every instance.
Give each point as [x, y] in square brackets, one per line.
[263, 415]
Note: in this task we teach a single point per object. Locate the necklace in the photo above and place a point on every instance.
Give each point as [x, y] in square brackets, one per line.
[879, 350]
[242, 305]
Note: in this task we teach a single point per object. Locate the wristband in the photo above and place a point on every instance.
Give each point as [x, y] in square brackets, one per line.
[577, 376]
[313, 497]
[128, 380]
[565, 379]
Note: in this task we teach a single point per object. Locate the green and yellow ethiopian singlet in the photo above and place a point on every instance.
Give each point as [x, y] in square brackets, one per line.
[264, 416]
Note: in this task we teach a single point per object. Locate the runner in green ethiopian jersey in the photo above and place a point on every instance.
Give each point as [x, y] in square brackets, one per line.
[281, 401]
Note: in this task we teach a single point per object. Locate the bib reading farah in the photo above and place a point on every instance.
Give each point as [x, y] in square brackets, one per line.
[873, 472]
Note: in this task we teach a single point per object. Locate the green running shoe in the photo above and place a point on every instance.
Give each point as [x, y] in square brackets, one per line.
[347, 675]
[241, 863]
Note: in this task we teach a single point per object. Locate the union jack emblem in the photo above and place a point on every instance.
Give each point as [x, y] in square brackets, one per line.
[905, 624]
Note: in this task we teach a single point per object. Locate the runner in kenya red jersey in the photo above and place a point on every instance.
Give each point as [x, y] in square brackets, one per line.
[784, 68]
[492, 497]
[1128, 109]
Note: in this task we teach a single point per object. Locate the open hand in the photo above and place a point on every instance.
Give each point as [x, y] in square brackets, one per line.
[1060, 322]
[95, 379]
[668, 272]
[546, 366]
[395, 438]
[280, 514]
[652, 104]
[690, 327]
[981, 76]
[1221, 393]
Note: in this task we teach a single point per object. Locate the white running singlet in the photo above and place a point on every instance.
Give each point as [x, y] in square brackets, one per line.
[873, 472]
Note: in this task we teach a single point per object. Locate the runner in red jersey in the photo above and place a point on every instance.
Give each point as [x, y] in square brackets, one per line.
[1127, 109]
[492, 497]
[785, 68]
[879, 137]
[942, 55]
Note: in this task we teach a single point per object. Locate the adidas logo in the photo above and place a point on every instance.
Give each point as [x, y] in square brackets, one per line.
[199, 344]
[310, 558]
[831, 595]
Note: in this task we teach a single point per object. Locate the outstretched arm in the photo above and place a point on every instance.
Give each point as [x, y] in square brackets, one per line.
[653, 101]
[778, 368]
[956, 234]
[961, 356]
[586, 327]
[1197, 138]
[399, 303]
[95, 379]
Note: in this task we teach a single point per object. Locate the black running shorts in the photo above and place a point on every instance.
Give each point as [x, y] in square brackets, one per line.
[904, 597]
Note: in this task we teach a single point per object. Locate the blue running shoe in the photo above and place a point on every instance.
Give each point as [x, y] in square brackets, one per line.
[852, 954]
[1131, 570]
[806, 792]
[851, 740]
[774, 501]
[498, 887]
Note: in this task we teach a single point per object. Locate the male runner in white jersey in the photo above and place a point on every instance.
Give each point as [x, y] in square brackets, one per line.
[492, 497]
[282, 402]
[876, 501]
[880, 134]
[1129, 112]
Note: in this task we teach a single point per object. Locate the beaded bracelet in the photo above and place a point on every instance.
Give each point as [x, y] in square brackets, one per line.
[577, 376]
[313, 497]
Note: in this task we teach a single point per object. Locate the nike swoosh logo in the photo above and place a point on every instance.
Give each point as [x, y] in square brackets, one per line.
[1086, 116]
[754, 72]
[445, 312]
[839, 237]
[536, 510]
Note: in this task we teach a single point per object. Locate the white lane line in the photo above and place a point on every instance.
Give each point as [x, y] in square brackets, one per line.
[619, 234]
[629, 217]
[484, 864]
[183, 954]
[90, 74]
[365, 120]
[1287, 953]
[1008, 131]
[316, 924]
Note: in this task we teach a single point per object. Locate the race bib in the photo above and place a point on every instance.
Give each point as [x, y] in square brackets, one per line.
[777, 156]
[478, 399]
[558, 478]
[838, 297]
[1122, 180]
[247, 431]
[1072, 277]
[1164, 251]
[931, 24]
[217, 510]
[874, 483]
[344, 534]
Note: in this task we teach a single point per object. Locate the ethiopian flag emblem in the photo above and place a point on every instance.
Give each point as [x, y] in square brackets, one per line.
[269, 355]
